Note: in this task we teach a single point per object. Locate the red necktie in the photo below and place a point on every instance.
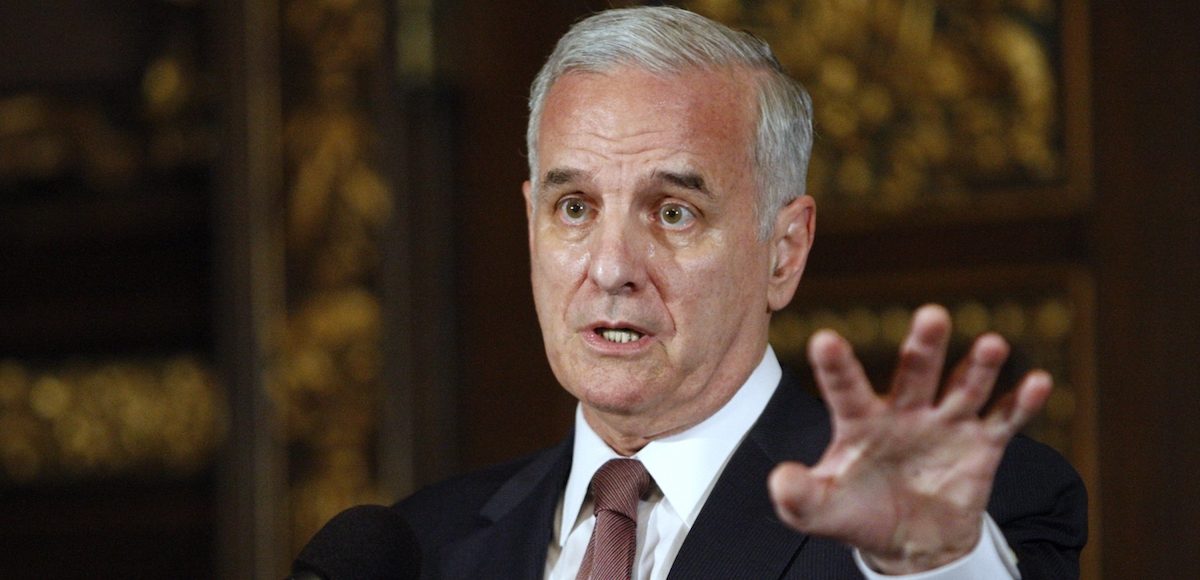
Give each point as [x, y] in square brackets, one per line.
[616, 489]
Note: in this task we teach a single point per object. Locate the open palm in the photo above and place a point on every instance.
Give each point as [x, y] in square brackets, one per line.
[907, 476]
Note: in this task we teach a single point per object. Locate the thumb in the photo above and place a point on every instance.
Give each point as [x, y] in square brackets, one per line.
[795, 493]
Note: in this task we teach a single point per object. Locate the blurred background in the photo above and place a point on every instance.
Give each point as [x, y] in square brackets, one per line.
[262, 260]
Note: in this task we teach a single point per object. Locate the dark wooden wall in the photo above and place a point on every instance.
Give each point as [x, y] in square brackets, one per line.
[96, 262]
[1145, 242]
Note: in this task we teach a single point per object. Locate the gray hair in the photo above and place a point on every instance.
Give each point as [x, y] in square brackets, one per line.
[665, 40]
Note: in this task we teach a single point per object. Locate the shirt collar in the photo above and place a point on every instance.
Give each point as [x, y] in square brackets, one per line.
[685, 465]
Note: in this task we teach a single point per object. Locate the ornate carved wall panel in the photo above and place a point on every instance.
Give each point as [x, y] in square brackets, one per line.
[330, 386]
[110, 413]
[932, 118]
[972, 109]
[80, 420]
[1045, 314]
[105, 369]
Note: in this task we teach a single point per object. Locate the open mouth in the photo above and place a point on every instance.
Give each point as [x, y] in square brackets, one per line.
[619, 335]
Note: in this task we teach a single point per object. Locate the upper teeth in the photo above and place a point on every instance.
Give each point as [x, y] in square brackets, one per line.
[615, 335]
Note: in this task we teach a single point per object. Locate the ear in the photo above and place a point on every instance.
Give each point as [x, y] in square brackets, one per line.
[790, 243]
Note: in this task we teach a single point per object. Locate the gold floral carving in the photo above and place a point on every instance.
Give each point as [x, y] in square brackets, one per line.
[1043, 328]
[919, 102]
[329, 387]
[46, 136]
[112, 418]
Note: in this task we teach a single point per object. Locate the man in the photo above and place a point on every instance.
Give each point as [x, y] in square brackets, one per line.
[667, 221]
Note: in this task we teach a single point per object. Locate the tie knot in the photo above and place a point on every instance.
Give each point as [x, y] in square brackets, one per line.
[618, 485]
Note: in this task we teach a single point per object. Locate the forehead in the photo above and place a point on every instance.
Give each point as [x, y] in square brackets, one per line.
[623, 110]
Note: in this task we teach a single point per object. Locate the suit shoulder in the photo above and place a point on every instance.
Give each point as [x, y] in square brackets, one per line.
[463, 493]
[1030, 476]
[1040, 503]
[447, 510]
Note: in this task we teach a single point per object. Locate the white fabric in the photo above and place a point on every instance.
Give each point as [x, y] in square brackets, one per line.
[991, 558]
[685, 466]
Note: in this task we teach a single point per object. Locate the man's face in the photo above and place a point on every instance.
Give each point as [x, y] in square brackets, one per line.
[650, 283]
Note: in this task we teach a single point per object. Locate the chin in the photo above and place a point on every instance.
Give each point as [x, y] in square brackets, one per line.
[619, 398]
[620, 387]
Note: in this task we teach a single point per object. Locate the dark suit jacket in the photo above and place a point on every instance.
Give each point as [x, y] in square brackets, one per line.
[498, 523]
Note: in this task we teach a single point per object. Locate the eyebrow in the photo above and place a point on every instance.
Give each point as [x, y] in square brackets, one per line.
[563, 176]
[689, 180]
[558, 177]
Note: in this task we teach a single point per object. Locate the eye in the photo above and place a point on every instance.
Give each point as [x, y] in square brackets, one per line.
[574, 210]
[675, 216]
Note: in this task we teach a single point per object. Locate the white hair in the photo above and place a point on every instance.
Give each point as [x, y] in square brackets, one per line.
[665, 40]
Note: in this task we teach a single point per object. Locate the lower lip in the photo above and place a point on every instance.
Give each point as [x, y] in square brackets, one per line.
[603, 346]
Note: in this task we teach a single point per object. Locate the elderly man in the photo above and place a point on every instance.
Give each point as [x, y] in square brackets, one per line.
[667, 221]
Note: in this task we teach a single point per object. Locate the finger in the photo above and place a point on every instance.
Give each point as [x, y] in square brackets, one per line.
[921, 358]
[968, 388]
[1015, 409]
[840, 376]
[797, 495]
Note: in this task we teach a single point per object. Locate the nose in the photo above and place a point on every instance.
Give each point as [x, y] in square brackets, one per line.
[617, 263]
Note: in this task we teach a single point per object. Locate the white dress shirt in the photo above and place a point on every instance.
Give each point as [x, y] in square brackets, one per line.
[685, 467]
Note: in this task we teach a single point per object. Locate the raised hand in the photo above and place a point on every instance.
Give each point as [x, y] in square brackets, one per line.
[907, 476]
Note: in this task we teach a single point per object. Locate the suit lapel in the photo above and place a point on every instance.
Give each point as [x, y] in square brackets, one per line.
[737, 534]
[515, 525]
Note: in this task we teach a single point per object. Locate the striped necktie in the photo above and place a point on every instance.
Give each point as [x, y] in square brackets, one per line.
[616, 489]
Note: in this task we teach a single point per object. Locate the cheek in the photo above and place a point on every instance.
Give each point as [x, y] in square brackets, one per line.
[695, 284]
[556, 270]
[559, 264]
[709, 288]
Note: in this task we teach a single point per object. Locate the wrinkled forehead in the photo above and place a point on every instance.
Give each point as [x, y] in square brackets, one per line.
[704, 108]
